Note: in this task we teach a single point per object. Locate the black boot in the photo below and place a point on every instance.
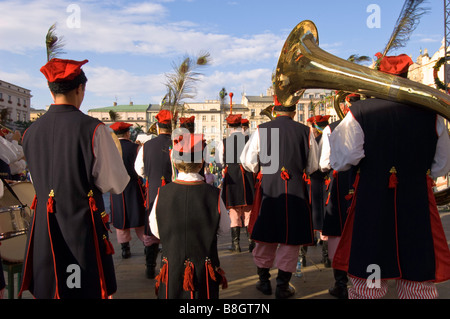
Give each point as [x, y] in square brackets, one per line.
[325, 260]
[303, 251]
[251, 243]
[235, 238]
[263, 284]
[126, 253]
[151, 253]
[340, 286]
[284, 290]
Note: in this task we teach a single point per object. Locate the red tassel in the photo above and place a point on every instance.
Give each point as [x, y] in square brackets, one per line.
[393, 178]
[162, 276]
[163, 181]
[327, 183]
[105, 217]
[284, 174]
[224, 281]
[350, 194]
[335, 174]
[34, 203]
[210, 270]
[109, 246]
[92, 204]
[306, 179]
[50, 205]
[188, 282]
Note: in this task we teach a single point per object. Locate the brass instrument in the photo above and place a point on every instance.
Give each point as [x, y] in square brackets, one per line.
[338, 99]
[303, 65]
[267, 112]
[152, 129]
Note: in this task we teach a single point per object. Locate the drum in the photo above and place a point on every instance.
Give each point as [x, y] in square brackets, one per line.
[15, 220]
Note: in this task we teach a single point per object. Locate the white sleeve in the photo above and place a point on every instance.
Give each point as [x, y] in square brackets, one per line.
[139, 163]
[441, 162]
[108, 170]
[9, 152]
[219, 152]
[346, 144]
[152, 219]
[324, 161]
[313, 155]
[250, 154]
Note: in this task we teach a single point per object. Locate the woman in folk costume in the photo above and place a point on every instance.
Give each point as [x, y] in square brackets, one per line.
[283, 151]
[128, 208]
[393, 229]
[187, 216]
[238, 184]
[72, 160]
[153, 163]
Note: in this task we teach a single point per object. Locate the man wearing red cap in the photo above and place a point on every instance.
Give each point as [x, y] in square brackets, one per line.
[128, 208]
[187, 216]
[282, 152]
[393, 229]
[245, 126]
[238, 184]
[153, 163]
[188, 123]
[72, 160]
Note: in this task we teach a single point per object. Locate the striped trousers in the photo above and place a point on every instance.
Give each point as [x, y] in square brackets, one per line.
[405, 289]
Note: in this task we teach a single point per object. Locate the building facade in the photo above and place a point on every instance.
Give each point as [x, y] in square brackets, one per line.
[15, 103]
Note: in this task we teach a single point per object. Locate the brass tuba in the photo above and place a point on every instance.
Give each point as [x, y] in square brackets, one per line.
[267, 112]
[303, 65]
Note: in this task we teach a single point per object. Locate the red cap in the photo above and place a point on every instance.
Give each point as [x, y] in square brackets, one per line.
[120, 126]
[319, 119]
[188, 144]
[185, 120]
[394, 64]
[245, 122]
[57, 70]
[234, 119]
[164, 117]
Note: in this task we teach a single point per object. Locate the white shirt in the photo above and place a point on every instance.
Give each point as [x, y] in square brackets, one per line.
[224, 222]
[324, 160]
[347, 146]
[250, 155]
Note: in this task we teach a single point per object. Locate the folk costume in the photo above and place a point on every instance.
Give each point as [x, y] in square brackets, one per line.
[128, 208]
[339, 193]
[187, 216]
[154, 164]
[72, 160]
[238, 184]
[282, 152]
[393, 222]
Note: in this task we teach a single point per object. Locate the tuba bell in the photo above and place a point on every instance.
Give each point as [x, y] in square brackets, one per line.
[303, 65]
[267, 112]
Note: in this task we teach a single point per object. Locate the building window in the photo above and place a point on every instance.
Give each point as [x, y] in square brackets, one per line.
[252, 112]
[204, 129]
[204, 118]
[213, 118]
[213, 130]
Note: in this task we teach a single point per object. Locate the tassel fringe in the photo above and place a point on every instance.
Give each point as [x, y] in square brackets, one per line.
[109, 246]
[188, 282]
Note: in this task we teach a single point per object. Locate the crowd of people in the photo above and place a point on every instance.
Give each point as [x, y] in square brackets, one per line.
[349, 184]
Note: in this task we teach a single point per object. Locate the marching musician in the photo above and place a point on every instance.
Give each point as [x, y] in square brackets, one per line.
[154, 164]
[339, 192]
[283, 151]
[72, 160]
[187, 216]
[318, 187]
[128, 208]
[393, 229]
[238, 184]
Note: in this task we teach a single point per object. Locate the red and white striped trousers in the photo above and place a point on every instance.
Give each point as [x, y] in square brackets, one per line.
[405, 289]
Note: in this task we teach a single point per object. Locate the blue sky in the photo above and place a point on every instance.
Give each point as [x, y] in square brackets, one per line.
[131, 45]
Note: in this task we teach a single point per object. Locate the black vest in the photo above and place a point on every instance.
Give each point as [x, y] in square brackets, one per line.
[391, 226]
[59, 151]
[187, 214]
[127, 209]
[285, 214]
[239, 184]
[157, 166]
